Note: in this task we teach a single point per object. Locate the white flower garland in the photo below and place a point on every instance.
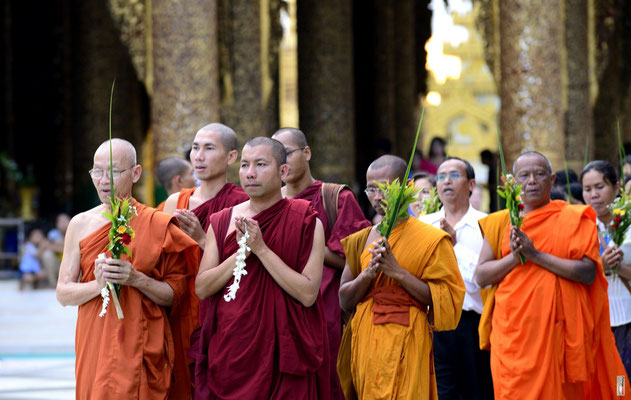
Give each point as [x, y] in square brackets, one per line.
[239, 269]
[104, 294]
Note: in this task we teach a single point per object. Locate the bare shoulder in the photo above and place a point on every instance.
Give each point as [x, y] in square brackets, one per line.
[242, 210]
[171, 203]
[83, 224]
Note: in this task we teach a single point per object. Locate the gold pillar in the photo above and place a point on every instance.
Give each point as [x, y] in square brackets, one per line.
[579, 121]
[185, 73]
[531, 118]
[325, 76]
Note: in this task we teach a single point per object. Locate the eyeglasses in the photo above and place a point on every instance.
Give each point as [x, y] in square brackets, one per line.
[96, 173]
[292, 151]
[452, 175]
[371, 191]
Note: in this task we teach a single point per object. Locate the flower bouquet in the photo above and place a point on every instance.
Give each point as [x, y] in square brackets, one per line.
[121, 233]
[511, 192]
[397, 196]
[430, 204]
[621, 211]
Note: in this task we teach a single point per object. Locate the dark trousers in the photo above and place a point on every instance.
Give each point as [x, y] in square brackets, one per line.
[463, 371]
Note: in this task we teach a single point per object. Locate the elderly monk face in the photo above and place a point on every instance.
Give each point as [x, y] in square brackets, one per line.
[532, 172]
[260, 174]
[375, 195]
[297, 157]
[125, 172]
[208, 156]
[452, 183]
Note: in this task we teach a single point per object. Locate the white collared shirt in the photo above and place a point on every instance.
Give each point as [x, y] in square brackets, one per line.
[468, 246]
[619, 296]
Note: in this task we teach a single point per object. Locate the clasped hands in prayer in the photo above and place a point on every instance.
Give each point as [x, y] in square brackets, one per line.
[611, 257]
[189, 224]
[521, 243]
[255, 240]
[383, 260]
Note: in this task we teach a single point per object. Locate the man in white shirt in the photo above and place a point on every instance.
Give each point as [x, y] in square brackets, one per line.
[462, 369]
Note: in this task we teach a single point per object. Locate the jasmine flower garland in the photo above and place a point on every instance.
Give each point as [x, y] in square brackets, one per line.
[239, 268]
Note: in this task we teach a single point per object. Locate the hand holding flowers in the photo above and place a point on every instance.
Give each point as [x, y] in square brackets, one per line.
[621, 211]
[511, 192]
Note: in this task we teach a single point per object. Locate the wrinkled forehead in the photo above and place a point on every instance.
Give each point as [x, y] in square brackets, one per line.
[121, 155]
[451, 165]
[381, 175]
[531, 163]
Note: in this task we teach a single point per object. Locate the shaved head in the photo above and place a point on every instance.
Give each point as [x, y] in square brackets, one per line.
[120, 147]
[532, 153]
[228, 136]
[278, 150]
[397, 166]
[170, 167]
[297, 136]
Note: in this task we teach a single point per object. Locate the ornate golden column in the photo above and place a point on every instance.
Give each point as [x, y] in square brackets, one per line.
[531, 117]
[325, 91]
[579, 128]
[185, 72]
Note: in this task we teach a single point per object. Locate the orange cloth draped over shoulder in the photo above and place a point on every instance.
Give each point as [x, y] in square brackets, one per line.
[160, 207]
[551, 337]
[391, 344]
[184, 197]
[142, 355]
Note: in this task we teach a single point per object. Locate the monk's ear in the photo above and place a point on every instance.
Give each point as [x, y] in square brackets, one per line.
[232, 156]
[176, 182]
[284, 171]
[471, 186]
[136, 171]
[307, 152]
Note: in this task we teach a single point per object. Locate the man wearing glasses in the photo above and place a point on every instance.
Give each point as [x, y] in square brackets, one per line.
[462, 369]
[340, 215]
[134, 357]
[401, 289]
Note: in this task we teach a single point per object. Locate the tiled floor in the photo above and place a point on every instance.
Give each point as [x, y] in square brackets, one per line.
[36, 344]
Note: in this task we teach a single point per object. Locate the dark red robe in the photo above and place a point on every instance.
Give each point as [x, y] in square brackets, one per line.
[350, 219]
[264, 344]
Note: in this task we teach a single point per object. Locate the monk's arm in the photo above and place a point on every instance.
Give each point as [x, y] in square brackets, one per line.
[491, 271]
[333, 260]
[625, 271]
[212, 276]
[171, 203]
[353, 289]
[70, 292]
[304, 286]
[583, 270]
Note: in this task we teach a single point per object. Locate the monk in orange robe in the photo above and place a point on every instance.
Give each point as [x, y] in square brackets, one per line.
[174, 174]
[135, 357]
[393, 286]
[269, 341]
[549, 321]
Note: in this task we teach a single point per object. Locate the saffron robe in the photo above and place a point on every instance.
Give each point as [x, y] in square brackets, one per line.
[391, 344]
[548, 331]
[134, 358]
[350, 219]
[160, 207]
[264, 344]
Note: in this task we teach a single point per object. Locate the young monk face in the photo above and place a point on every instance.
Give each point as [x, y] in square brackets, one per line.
[123, 166]
[598, 192]
[210, 159]
[375, 195]
[260, 174]
[297, 157]
[532, 172]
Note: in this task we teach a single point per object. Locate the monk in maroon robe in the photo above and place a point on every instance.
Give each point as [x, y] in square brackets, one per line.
[270, 341]
[346, 219]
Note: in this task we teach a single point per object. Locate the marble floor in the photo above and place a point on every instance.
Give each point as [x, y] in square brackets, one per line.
[36, 344]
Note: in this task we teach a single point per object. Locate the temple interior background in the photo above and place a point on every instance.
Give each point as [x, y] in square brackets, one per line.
[551, 76]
